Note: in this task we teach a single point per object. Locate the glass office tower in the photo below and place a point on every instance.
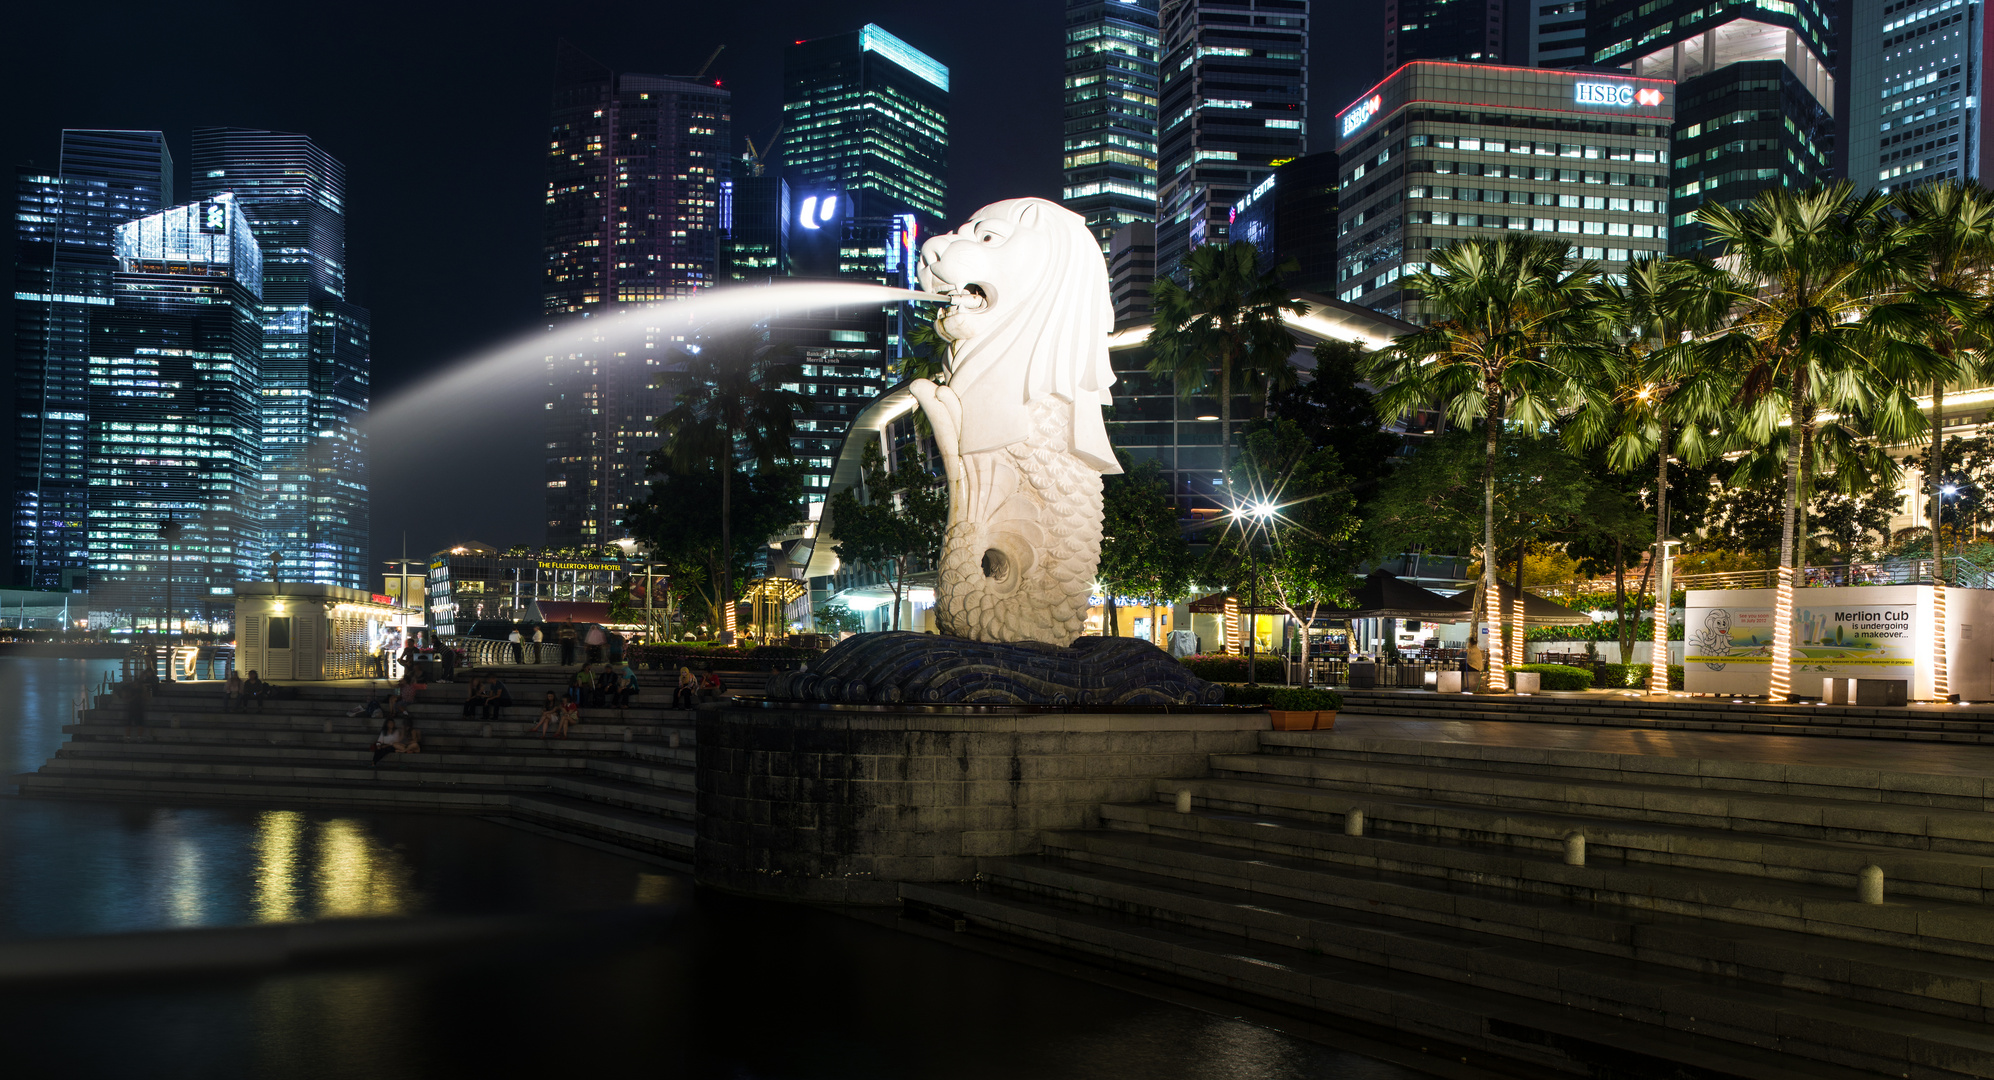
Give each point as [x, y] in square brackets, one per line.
[316, 349]
[176, 417]
[866, 112]
[1576, 157]
[1110, 114]
[1234, 106]
[635, 168]
[1468, 31]
[64, 221]
[1917, 93]
[1754, 96]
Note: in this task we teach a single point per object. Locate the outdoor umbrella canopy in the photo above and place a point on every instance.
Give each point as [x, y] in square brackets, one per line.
[1384, 596]
[1537, 611]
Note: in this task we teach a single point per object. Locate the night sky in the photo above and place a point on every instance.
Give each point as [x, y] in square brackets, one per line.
[440, 114]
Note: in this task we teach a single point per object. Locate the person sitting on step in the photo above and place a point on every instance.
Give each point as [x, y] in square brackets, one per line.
[550, 713]
[232, 692]
[255, 689]
[387, 740]
[687, 693]
[626, 685]
[373, 706]
[605, 687]
[496, 698]
[571, 714]
[479, 696]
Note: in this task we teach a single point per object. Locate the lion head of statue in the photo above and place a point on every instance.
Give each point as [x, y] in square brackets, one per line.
[1029, 315]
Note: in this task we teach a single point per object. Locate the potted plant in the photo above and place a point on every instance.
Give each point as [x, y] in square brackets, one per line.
[1293, 708]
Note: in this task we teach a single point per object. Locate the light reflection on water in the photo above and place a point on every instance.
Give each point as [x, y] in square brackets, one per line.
[727, 988]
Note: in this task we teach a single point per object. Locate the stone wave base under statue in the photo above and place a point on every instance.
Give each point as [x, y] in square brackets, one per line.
[902, 667]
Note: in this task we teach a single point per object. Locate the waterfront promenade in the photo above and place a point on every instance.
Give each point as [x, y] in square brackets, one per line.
[1567, 884]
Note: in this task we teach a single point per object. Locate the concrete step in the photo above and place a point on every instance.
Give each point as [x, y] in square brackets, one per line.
[475, 762]
[1705, 794]
[1806, 1025]
[1696, 921]
[1257, 813]
[1441, 1014]
[1941, 784]
[580, 740]
[672, 836]
[1970, 725]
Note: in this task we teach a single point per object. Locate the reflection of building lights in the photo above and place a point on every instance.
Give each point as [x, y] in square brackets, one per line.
[276, 897]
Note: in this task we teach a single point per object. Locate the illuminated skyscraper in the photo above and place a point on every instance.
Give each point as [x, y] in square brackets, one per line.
[635, 167]
[316, 358]
[1918, 93]
[1110, 115]
[866, 112]
[1234, 106]
[1754, 96]
[65, 219]
[1464, 31]
[176, 415]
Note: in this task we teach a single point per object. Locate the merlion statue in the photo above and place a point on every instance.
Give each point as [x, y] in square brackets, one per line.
[1018, 422]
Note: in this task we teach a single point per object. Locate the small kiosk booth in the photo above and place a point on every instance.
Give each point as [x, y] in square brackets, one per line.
[301, 632]
[1879, 632]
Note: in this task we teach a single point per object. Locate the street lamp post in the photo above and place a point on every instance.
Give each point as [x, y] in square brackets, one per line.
[169, 531]
[1253, 520]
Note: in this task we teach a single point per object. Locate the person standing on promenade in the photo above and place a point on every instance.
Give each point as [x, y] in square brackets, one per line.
[517, 641]
[567, 643]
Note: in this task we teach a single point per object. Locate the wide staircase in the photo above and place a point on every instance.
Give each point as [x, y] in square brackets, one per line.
[622, 777]
[1708, 924]
[1972, 724]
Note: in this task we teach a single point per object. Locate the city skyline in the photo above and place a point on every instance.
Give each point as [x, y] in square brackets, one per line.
[444, 236]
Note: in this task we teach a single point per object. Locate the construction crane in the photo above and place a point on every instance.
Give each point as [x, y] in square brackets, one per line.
[717, 50]
[757, 159]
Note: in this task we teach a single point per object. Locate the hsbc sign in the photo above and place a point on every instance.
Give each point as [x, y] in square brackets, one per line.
[1617, 94]
[1361, 114]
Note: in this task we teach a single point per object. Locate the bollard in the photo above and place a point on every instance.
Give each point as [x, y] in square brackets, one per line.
[1184, 801]
[1353, 822]
[1575, 849]
[1869, 885]
[675, 740]
[485, 731]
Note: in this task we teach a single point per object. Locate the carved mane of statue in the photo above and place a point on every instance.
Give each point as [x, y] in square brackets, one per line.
[1018, 422]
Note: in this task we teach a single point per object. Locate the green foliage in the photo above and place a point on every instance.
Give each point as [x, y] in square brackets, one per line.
[1228, 321]
[1302, 549]
[900, 522]
[1433, 500]
[1228, 669]
[1143, 552]
[692, 654]
[834, 618]
[1338, 414]
[680, 527]
[1558, 676]
[1635, 676]
[1286, 698]
[1966, 465]
[1604, 630]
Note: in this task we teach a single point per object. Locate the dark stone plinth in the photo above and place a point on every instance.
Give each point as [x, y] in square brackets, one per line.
[841, 805]
[901, 667]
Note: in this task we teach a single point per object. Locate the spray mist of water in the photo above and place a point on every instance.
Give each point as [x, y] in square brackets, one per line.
[468, 443]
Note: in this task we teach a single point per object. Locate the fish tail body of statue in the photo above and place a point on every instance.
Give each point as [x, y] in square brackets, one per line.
[1024, 538]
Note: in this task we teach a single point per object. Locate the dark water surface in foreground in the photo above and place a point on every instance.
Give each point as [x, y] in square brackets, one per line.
[714, 986]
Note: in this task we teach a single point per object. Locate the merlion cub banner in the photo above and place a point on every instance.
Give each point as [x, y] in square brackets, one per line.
[1871, 632]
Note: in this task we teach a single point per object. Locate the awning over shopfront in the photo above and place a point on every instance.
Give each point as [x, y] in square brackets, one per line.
[1215, 605]
[576, 611]
[1537, 611]
[1383, 595]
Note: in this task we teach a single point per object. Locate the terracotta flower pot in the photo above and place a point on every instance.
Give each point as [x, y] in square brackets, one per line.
[1293, 719]
[1325, 720]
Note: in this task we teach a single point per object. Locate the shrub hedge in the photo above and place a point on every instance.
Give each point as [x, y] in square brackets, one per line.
[1292, 698]
[1231, 669]
[661, 654]
[1558, 676]
[1635, 676]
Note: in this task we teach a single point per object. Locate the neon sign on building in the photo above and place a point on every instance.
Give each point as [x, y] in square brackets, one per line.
[1617, 94]
[1361, 114]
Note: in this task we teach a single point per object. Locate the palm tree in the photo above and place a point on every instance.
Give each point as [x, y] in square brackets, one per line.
[1229, 317]
[1518, 331]
[1809, 267]
[732, 403]
[1666, 393]
[1950, 227]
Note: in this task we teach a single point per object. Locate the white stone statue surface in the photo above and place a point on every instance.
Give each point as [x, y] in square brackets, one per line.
[1018, 421]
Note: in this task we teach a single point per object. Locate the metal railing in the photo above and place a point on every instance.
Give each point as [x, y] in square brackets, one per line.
[1885, 572]
[484, 652]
